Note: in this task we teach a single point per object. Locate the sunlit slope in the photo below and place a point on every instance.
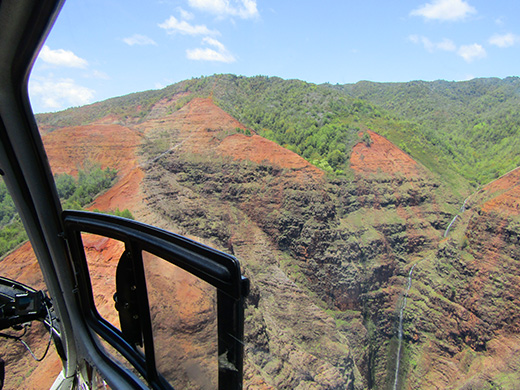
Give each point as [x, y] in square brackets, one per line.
[453, 128]
[462, 323]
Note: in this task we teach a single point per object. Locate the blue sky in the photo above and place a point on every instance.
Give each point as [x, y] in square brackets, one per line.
[104, 48]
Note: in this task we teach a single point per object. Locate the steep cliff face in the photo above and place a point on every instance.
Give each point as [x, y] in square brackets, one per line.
[229, 189]
[347, 243]
[328, 257]
[463, 321]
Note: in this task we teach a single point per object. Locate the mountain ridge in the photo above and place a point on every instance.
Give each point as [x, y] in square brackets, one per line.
[253, 101]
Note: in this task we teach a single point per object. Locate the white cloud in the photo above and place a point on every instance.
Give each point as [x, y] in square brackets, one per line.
[96, 74]
[244, 9]
[186, 15]
[472, 52]
[138, 39]
[219, 54]
[445, 44]
[450, 10]
[173, 25]
[62, 57]
[55, 94]
[468, 52]
[505, 40]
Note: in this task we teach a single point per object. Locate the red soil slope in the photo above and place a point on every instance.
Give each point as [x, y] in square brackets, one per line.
[108, 144]
[125, 194]
[201, 127]
[258, 149]
[504, 193]
[382, 157]
[112, 146]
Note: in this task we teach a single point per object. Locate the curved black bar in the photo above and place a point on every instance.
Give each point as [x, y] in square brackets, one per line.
[214, 267]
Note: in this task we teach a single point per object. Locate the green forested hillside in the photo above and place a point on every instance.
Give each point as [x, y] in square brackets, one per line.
[476, 123]
[319, 124]
[322, 123]
[73, 192]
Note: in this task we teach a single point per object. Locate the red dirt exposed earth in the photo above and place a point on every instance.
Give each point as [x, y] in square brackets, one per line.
[125, 194]
[382, 156]
[204, 118]
[505, 192]
[112, 146]
[201, 127]
[258, 149]
[203, 114]
[197, 124]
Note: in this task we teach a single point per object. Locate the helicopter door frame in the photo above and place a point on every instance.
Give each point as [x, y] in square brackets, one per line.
[218, 269]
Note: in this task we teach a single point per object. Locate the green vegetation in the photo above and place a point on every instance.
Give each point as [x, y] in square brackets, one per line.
[318, 124]
[7, 208]
[74, 194]
[118, 213]
[12, 232]
[473, 125]
[12, 235]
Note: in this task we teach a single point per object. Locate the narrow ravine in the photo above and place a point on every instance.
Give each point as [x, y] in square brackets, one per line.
[462, 209]
[449, 226]
[400, 329]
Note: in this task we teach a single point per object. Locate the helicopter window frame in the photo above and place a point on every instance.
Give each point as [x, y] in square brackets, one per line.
[218, 269]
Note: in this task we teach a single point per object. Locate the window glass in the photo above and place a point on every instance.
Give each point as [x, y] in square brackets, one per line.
[182, 309]
[103, 254]
[184, 322]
